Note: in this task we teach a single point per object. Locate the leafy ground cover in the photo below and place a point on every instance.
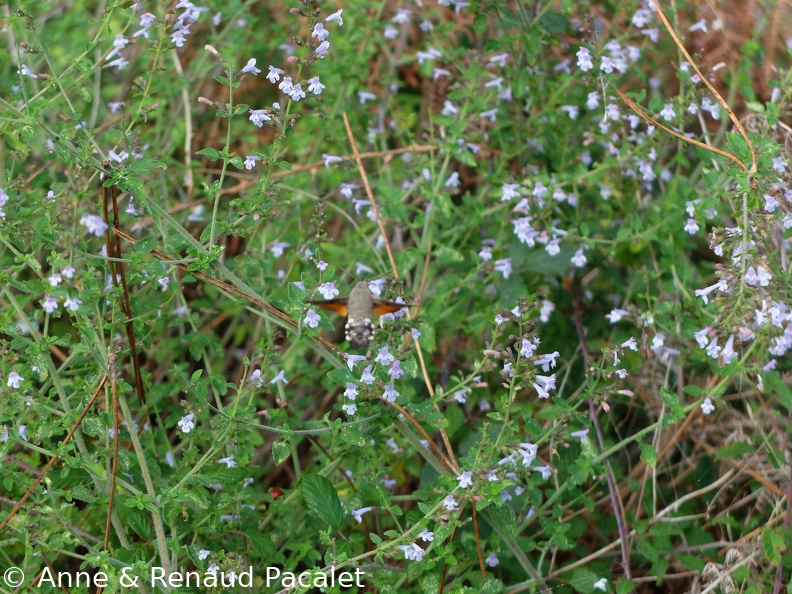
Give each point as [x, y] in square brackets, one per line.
[584, 208]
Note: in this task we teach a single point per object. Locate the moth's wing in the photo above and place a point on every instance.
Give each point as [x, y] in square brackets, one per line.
[337, 305]
[382, 306]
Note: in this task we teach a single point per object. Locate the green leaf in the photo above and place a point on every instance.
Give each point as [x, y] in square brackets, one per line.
[144, 166]
[734, 450]
[353, 436]
[280, 451]
[341, 376]
[146, 245]
[625, 586]
[321, 498]
[671, 400]
[583, 580]
[210, 153]
[649, 455]
[693, 390]
[554, 22]
[296, 294]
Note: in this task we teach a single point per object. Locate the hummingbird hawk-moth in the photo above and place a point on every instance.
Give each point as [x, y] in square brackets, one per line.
[360, 307]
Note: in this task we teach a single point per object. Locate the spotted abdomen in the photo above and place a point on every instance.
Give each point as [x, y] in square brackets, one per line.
[359, 332]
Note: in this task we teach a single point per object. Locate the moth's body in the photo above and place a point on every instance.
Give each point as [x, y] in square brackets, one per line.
[359, 328]
[360, 307]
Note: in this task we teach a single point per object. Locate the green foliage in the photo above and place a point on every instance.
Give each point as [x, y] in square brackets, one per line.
[585, 395]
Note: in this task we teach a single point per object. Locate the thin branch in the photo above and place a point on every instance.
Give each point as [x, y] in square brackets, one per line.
[709, 85]
[381, 225]
[52, 460]
[693, 141]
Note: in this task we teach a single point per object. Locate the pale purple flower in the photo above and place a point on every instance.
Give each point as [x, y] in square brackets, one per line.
[27, 72]
[616, 315]
[490, 114]
[426, 535]
[259, 116]
[352, 359]
[630, 344]
[510, 192]
[316, 87]
[571, 110]
[277, 249]
[14, 380]
[336, 16]
[707, 407]
[396, 372]
[203, 554]
[72, 303]
[580, 435]
[579, 259]
[607, 65]
[699, 26]
[358, 513]
[584, 59]
[328, 290]
[255, 379]
[453, 180]
[450, 503]
[187, 423]
[770, 203]
[229, 461]
[323, 48]
[703, 293]
[365, 96]
[465, 479]
[412, 552]
[667, 113]
[351, 391]
[504, 266]
[367, 378]
[311, 319]
[346, 191]
[274, 74]
[491, 560]
[652, 34]
[49, 304]
[250, 162]
[93, 224]
[320, 32]
[642, 17]
[547, 361]
[691, 227]
[330, 159]
[297, 93]
[384, 357]
[545, 470]
[728, 353]
[390, 394]
[286, 85]
[251, 67]
[281, 377]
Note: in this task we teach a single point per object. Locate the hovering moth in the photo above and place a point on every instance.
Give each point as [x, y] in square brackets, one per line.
[360, 307]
